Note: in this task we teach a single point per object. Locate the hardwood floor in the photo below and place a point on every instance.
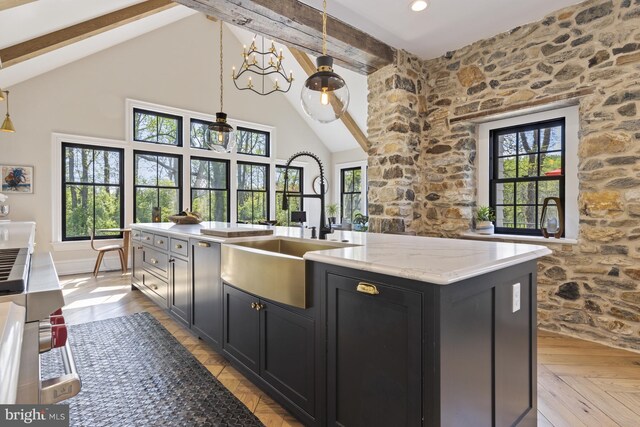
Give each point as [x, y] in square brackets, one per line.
[580, 383]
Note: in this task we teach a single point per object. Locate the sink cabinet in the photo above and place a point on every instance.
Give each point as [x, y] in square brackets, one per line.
[206, 316]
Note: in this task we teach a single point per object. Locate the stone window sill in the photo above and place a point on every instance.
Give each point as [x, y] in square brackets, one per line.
[518, 238]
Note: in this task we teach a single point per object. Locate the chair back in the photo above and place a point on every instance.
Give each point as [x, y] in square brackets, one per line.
[93, 235]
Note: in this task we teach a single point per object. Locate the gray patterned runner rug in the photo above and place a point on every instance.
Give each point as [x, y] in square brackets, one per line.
[135, 373]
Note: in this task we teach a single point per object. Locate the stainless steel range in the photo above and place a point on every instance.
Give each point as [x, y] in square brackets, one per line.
[31, 321]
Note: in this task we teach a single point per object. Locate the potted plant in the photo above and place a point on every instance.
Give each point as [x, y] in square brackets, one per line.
[360, 222]
[484, 220]
[332, 212]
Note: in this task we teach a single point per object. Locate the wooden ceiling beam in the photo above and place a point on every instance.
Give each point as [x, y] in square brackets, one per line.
[8, 4]
[309, 67]
[298, 25]
[37, 46]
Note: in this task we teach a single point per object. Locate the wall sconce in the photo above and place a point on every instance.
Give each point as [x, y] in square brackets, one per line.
[552, 218]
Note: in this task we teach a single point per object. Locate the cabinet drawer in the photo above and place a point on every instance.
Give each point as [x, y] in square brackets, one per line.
[179, 247]
[155, 261]
[147, 238]
[158, 286]
[136, 235]
[160, 241]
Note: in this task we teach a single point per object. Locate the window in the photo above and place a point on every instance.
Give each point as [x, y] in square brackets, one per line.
[253, 192]
[527, 165]
[158, 183]
[350, 192]
[294, 193]
[92, 190]
[201, 136]
[253, 142]
[210, 188]
[157, 128]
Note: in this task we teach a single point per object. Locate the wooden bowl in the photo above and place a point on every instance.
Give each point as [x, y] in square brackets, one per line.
[184, 219]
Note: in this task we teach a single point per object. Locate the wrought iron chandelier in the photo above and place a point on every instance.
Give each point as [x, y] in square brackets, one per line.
[263, 63]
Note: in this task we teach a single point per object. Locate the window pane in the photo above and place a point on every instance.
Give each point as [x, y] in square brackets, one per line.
[551, 164]
[167, 131]
[551, 139]
[507, 144]
[169, 202]
[526, 193]
[506, 167]
[156, 128]
[244, 176]
[107, 167]
[526, 217]
[504, 193]
[146, 199]
[199, 173]
[258, 177]
[245, 206]
[79, 210]
[145, 127]
[548, 189]
[200, 203]
[357, 180]
[218, 175]
[252, 142]
[107, 207]
[78, 164]
[146, 169]
[528, 142]
[219, 203]
[528, 166]
[259, 207]
[199, 135]
[168, 171]
[505, 216]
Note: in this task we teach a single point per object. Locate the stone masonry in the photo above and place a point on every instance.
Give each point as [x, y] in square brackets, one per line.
[422, 166]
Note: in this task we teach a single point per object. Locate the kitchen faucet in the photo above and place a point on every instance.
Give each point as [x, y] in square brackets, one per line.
[323, 229]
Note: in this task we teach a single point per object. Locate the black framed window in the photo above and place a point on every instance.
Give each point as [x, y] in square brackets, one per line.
[253, 192]
[252, 142]
[158, 183]
[350, 192]
[210, 188]
[294, 193]
[527, 165]
[157, 128]
[92, 190]
[200, 136]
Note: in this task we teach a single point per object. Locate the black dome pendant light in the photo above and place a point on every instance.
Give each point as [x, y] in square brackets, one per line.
[223, 141]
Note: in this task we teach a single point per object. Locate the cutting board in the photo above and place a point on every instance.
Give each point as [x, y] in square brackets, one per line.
[235, 232]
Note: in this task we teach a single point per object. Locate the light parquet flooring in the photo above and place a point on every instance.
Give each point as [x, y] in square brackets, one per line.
[580, 383]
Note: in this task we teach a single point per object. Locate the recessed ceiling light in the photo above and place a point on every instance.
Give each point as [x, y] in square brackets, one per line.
[419, 5]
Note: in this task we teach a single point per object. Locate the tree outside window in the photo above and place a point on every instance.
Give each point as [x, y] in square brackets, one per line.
[350, 192]
[158, 182]
[253, 192]
[157, 128]
[294, 193]
[210, 188]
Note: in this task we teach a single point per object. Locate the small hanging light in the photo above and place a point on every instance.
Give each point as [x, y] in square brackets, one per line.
[325, 95]
[222, 138]
[7, 125]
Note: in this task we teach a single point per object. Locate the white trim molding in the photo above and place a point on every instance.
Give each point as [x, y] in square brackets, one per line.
[337, 176]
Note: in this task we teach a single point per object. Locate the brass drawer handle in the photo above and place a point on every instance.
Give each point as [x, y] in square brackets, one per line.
[204, 244]
[257, 306]
[160, 242]
[154, 287]
[178, 246]
[139, 247]
[254, 305]
[147, 238]
[367, 288]
[153, 261]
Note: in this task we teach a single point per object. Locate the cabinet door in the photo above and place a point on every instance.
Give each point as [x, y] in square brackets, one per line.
[374, 360]
[136, 267]
[287, 357]
[179, 293]
[241, 327]
[206, 291]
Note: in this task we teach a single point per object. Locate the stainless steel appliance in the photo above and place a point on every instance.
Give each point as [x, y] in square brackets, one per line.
[31, 322]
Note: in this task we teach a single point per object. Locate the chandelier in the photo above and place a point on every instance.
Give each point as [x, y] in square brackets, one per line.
[263, 63]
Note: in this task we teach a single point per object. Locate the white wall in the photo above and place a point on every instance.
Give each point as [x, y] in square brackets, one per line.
[175, 66]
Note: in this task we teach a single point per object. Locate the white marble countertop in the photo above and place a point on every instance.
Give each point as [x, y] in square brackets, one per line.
[426, 259]
[16, 234]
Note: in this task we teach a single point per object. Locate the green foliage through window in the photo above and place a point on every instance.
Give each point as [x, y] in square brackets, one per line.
[253, 192]
[158, 182]
[350, 192]
[253, 142]
[210, 188]
[93, 187]
[157, 128]
[294, 184]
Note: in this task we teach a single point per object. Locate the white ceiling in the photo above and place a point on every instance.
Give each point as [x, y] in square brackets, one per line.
[445, 25]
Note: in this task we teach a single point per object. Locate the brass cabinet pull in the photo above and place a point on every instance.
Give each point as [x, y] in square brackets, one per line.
[153, 261]
[178, 246]
[147, 238]
[154, 287]
[254, 305]
[139, 247]
[367, 288]
[160, 242]
[204, 244]
[259, 307]
[172, 260]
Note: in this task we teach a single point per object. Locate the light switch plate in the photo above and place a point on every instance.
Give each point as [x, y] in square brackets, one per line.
[515, 297]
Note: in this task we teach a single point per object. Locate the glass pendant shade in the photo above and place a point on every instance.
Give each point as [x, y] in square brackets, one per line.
[325, 95]
[222, 138]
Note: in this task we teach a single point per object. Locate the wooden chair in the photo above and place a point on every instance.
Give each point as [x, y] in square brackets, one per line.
[104, 249]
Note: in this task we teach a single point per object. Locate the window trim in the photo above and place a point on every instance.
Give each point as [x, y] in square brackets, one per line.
[159, 114]
[350, 193]
[301, 174]
[227, 162]
[493, 172]
[572, 127]
[180, 186]
[64, 183]
[267, 190]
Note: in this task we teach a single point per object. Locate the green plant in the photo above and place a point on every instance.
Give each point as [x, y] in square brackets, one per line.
[484, 213]
[332, 210]
[358, 218]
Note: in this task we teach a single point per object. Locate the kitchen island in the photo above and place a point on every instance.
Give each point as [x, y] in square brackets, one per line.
[394, 330]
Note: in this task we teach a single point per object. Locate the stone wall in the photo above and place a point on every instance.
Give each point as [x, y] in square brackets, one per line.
[589, 54]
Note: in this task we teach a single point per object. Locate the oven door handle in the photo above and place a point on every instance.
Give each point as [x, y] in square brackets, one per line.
[56, 390]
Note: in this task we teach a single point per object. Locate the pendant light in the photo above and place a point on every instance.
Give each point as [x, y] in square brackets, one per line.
[325, 95]
[222, 139]
[7, 125]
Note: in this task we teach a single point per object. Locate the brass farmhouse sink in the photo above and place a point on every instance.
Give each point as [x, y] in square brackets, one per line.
[271, 269]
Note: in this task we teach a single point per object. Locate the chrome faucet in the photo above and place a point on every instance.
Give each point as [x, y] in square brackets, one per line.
[324, 228]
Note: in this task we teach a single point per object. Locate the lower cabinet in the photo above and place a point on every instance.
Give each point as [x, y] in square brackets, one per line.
[137, 254]
[374, 354]
[276, 343]
[180, 292]
[206, 315]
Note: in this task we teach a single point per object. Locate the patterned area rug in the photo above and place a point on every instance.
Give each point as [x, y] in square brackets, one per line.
[135, 373]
